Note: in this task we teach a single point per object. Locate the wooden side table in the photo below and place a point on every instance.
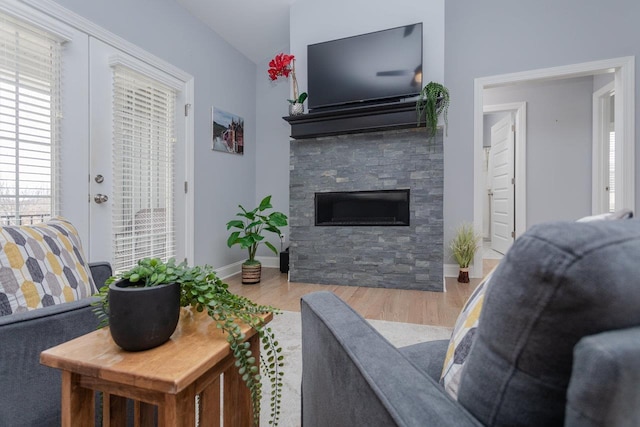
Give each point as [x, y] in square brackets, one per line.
[169, 376]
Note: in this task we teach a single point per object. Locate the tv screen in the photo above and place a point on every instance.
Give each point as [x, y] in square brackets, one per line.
[381, 66]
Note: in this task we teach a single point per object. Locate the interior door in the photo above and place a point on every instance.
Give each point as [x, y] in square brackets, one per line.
[503, 185]
[112, 234]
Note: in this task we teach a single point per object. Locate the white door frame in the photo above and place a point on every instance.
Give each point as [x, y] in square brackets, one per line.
[520, 146]
[624, 68]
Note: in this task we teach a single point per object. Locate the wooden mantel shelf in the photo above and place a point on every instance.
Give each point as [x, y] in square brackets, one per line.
[399, 115]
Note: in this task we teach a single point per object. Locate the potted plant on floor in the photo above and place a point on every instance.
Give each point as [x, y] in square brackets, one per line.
[433, 101]
[199, 288]
[250, 235]
[463, 247]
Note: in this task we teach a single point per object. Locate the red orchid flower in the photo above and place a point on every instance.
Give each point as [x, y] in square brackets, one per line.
[280, 66]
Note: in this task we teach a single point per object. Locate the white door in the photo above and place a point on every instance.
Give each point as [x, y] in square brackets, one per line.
[502, 179]
[137, 170]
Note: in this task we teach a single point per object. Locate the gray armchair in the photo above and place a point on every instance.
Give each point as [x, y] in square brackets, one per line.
[30, 391]
[558, 342]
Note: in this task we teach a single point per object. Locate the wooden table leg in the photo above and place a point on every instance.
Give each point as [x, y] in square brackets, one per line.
[209, 410]
[114, 410]
[77, 402]
[237, 397]
[178, 410]
[143, 414]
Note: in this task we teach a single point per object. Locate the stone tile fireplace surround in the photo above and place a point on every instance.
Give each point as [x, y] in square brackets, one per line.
[402, 257]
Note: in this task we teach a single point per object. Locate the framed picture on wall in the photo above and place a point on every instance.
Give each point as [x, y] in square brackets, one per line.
[228, 132]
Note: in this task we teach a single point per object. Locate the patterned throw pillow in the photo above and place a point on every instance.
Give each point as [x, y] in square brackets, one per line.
[462, 337]
[41, 265]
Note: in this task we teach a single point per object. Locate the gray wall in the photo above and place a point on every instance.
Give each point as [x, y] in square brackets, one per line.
[558, 145]
[527, 36]
[272, 144]
[224, 78]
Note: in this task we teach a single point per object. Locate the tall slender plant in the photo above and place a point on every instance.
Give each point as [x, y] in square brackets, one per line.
[433, 102]
[463, 247]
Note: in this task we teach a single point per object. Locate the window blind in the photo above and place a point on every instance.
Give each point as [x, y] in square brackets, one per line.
[143, 168]
[29, 122]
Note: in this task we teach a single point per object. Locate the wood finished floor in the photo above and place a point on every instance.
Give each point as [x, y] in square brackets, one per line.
[398, 305]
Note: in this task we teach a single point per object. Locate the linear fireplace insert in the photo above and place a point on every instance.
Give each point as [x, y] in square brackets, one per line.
[385, 207]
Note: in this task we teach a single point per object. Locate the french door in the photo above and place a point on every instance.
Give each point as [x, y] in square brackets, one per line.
[137, 160]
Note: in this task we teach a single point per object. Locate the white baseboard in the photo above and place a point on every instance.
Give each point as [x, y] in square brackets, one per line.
[448, 270]
[269, 261]
[229, 270]
[235, 268]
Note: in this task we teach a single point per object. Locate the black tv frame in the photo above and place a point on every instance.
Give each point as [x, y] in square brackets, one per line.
[363, 99]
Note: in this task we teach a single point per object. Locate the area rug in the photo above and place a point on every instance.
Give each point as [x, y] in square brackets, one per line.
[287, 328]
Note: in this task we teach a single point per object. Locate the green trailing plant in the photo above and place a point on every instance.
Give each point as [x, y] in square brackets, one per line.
[433, 102]
[463, 247]
[251, 228]
[201, 289]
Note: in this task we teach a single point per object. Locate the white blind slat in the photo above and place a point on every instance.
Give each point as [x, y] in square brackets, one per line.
[143, 162]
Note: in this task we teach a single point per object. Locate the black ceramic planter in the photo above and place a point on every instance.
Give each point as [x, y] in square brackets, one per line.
[141, 318]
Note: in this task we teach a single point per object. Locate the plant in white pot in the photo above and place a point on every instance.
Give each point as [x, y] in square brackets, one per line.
[463, 247]
[283, 65]
[249, 235]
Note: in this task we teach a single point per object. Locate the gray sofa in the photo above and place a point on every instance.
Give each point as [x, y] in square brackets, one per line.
[31, 392]
[558, 343]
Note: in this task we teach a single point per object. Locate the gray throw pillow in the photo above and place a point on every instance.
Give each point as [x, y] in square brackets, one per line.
[558, 283]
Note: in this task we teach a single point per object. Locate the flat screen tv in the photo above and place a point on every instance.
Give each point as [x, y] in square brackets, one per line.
[370, 68]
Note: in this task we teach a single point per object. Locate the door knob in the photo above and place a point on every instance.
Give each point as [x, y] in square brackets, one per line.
[100, 198]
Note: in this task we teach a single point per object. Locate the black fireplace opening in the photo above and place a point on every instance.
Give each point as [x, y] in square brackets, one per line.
[384, 207]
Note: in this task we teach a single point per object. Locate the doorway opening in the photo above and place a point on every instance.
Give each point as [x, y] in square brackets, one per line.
[624, 75]
[604, 151]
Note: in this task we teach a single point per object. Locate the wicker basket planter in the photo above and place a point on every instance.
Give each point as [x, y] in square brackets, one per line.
[251, 273]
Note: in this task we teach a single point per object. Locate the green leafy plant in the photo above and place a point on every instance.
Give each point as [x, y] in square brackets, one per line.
[465, 244]
[201, 289]
[300, 99]
[433, 102]
[253, 225]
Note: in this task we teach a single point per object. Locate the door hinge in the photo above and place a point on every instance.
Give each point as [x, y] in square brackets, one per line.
[513, 181]
[513, 128]
[186, 186]
[187, 107]
[513, 234]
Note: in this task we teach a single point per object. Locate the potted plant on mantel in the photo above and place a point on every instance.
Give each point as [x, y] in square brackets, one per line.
[433, 101]
[283, 65]
[127, 303]
[463, 247]
[250, 236]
